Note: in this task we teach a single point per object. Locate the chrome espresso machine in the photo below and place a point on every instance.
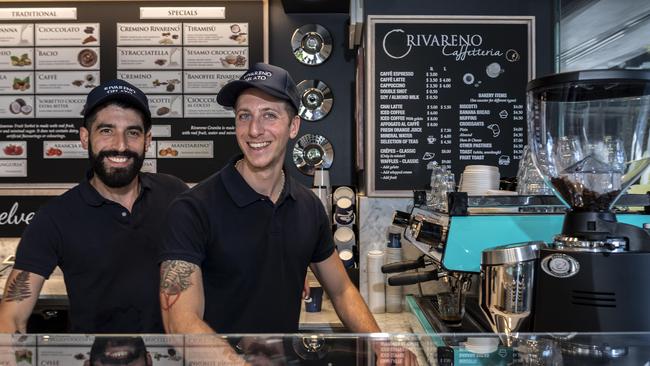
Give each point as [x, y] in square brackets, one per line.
[586, 270]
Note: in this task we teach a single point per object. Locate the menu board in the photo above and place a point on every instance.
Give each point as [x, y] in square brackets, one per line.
[180, 53]
[444, 89]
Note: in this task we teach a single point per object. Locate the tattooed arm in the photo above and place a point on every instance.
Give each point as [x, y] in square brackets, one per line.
[181, 298]
[21, 292]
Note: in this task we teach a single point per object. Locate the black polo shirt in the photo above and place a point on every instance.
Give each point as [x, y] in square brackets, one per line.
[253, 254]
[107, 255]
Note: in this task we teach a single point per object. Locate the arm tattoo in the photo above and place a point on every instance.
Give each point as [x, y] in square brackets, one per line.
[18, 290]
[174, 279]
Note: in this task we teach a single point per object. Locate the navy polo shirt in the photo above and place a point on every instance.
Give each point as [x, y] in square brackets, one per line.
[253, 253]
[107, 255]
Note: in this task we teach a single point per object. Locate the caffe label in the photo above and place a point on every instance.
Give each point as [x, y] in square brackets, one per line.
[66, 82]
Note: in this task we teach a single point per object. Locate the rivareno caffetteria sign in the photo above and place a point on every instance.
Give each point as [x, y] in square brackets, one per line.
[444, 89]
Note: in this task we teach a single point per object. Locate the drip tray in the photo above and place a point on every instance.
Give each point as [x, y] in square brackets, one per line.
[473, 321]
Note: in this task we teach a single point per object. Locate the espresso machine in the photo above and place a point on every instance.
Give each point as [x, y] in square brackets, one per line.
[583, 271]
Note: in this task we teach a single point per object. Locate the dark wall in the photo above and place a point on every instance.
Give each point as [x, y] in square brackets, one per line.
[338, 71]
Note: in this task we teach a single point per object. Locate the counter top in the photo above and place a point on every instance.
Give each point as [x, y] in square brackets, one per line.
[326, 319]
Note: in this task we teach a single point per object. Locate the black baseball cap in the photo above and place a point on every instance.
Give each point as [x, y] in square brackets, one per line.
[271, 79]
[118, 90]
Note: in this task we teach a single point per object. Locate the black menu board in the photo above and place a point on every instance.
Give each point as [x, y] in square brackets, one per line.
[444, 89]
[180, 53]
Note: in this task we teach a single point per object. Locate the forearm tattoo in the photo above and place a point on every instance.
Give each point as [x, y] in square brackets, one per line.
[174, 279]
[18, 290]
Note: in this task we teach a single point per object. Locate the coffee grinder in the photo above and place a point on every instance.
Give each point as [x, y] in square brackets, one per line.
[589, 132]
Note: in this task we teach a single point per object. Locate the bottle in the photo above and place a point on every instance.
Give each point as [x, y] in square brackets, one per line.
[393, 254]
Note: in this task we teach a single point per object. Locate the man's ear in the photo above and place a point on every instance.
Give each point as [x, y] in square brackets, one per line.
[294, 126]
[147, 141]
[84, 135]
[149, 360]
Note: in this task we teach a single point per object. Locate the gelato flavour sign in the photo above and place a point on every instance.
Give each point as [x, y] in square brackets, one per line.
[145, 34]
[186, 149]
[445, 90]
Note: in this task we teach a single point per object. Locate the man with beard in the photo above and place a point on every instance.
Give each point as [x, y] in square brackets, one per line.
[103, 232]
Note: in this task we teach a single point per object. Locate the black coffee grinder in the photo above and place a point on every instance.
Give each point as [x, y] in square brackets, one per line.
[589, 132]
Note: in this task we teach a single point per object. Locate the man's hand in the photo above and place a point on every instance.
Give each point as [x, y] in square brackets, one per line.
[305, 289]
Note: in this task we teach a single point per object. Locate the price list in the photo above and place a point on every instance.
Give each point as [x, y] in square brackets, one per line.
[453, 94]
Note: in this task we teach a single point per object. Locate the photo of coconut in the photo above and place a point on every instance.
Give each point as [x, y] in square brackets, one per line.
[19, 106]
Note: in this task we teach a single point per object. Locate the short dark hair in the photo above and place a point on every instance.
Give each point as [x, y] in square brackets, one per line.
[291, 110]
[118, 103]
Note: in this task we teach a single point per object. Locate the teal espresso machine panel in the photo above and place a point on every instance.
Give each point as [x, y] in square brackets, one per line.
[468, 236]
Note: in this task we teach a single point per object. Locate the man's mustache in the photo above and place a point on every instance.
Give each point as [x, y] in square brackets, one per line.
[114, 153]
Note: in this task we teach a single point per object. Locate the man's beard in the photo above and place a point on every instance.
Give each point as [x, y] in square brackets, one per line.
[116, 177]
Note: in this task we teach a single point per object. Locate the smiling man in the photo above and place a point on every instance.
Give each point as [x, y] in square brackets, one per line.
[102, 233]
[238, 244]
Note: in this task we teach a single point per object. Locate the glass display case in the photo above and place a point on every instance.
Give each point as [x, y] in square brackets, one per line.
[326, 349]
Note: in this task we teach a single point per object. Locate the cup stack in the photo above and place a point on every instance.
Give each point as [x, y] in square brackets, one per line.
[344, 238]
[323, 190]
[478, 179]
[376, 284]
[344, 200]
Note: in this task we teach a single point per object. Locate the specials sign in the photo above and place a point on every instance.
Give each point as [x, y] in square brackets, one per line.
[446, 91]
